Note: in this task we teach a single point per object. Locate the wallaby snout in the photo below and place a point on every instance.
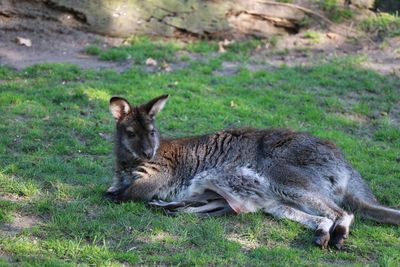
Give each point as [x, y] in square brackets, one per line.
[148, 153]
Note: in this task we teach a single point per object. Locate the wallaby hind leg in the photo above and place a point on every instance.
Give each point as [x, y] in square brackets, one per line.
[327, 208]
[321, 225]
[295, 186]
[249, 198]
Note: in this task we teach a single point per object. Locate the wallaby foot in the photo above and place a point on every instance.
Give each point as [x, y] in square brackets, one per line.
[337, 232]
[341, 230]
[321, 238]
[338, 236]
[321, 225]
[322, 233]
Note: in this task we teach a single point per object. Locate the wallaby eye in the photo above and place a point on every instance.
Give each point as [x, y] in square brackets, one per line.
[153, 133]
[131, 133]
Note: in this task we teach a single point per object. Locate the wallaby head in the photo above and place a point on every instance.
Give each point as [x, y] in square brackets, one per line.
[136, 133]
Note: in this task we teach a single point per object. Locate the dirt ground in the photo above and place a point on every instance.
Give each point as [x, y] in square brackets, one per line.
[62, 44]
[55, 46]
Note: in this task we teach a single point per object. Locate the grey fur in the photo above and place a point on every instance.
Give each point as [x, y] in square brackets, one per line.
[284, 173]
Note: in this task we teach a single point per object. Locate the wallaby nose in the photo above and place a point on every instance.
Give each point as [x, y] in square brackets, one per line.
[148, 153]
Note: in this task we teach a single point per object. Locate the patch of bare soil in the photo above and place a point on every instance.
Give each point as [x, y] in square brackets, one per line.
[12, 198]
[387, 59]
[55, 45]
[301, 50]
[20, 222]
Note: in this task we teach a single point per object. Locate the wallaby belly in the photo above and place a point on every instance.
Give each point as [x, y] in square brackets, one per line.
[245, 189]
[248, 189]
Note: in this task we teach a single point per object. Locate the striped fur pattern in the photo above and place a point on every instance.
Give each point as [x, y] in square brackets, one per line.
[284, 173]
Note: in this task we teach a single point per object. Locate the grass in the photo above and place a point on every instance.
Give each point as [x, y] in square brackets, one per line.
[313, 36]
[137, 49]
[335, 11]
[55, 166]
[93, 50]
[383, 24]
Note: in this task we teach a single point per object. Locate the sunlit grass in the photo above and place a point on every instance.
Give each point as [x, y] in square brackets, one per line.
[56, 164]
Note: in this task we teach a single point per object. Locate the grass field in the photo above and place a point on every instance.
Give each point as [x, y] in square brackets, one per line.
[55, 163]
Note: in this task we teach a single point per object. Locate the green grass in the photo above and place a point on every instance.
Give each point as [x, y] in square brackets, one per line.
[383, 24]
[313, 36]
[335, 11]
[93, 50]
[138, 49]
[54, 160]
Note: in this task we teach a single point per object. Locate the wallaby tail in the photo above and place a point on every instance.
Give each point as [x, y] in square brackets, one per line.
[359, 198]
[371, 211]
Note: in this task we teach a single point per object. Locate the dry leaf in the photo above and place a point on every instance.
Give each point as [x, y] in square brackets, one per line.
[228, 42]
[221, 48]
[166, 66]
[331, 35]
[24, 41]
[223, 44]
[151, 62]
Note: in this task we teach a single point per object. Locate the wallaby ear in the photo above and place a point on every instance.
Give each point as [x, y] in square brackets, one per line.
[119, 107]
[156, 105]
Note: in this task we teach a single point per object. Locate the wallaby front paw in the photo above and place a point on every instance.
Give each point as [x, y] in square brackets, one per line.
[110, 196]
[321, 238]
[113, 194]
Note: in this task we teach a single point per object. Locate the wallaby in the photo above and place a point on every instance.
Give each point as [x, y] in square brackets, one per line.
[286, 174]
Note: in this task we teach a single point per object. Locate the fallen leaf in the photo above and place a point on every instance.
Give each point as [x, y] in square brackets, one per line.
[151, 62]
[24, 41]
[223, 44]
[221, 48]
[331, 35]
[166, 66]
[228, 42]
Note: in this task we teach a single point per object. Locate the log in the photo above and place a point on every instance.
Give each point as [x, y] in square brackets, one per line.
[170, 18]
